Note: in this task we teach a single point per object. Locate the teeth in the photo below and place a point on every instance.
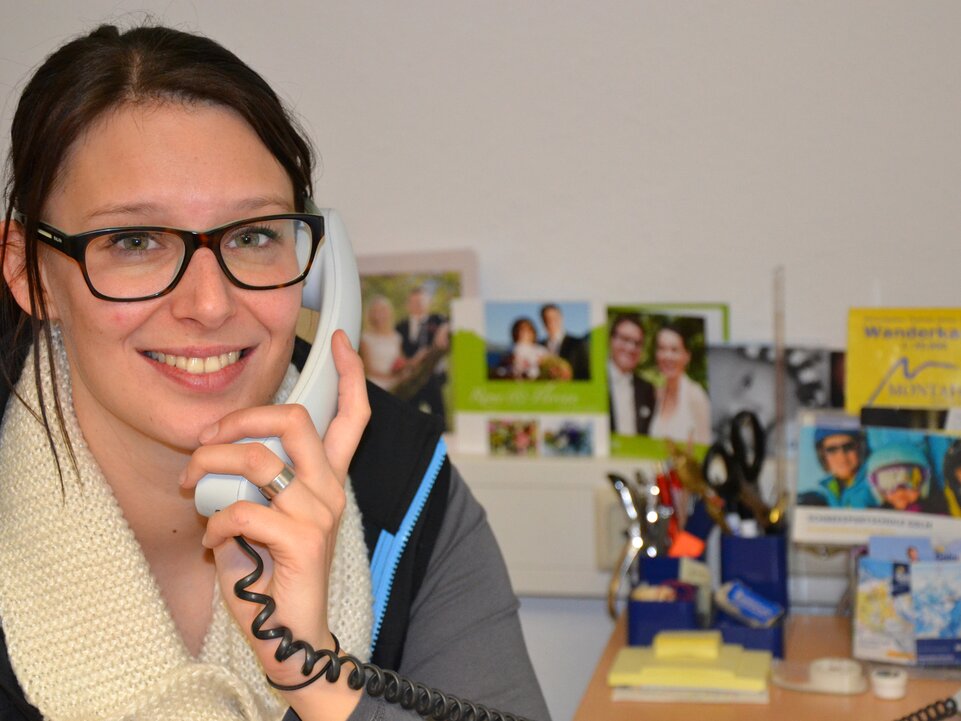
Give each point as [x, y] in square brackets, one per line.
[195, 365]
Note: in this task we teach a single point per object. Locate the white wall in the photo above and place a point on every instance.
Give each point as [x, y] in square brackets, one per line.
[636, 150]
[628, 150]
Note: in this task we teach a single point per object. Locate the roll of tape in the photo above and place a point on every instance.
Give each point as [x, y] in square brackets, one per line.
[889, 683]
[824, 675]
[837, 675]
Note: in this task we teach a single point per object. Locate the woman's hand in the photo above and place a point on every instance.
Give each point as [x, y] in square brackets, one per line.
[299, 528]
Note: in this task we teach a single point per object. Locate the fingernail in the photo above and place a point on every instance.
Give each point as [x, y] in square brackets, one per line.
[207, 433]
[183, 478]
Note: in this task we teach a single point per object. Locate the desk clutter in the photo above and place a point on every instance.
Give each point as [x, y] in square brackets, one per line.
[747, 608]
[671, 517]
[689, 641]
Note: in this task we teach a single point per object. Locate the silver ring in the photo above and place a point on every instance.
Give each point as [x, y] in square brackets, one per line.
[280, 482]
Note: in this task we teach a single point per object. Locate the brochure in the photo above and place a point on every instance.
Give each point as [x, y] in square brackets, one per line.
[903, 358]
[854, 482]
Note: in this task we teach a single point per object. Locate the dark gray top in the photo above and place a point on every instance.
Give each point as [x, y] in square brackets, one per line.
[465, 635]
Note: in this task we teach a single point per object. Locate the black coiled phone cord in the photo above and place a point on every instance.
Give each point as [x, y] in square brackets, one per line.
[937, 711]
[428, 702]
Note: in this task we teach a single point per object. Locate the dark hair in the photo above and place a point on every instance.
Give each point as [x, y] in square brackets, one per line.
[517, 324]
[546, 307]
[621, 318]
[675, 328]
[76, 86]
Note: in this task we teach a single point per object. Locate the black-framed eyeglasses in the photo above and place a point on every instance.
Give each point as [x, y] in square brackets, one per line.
[143, 262]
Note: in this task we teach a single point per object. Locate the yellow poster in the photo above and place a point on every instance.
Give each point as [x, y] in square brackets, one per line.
[903, 358]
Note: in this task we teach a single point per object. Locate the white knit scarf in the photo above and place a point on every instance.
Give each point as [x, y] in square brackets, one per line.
[88, 633]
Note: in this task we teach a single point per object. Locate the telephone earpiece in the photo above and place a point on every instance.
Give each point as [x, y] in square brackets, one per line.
[332, 288]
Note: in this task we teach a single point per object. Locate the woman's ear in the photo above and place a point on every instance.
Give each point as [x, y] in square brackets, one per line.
[15, 265]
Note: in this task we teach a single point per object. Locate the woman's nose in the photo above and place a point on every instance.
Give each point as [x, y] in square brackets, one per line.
[204, 293]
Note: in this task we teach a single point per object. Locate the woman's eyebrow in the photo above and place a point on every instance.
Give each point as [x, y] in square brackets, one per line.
[246, 205]
[123, 209]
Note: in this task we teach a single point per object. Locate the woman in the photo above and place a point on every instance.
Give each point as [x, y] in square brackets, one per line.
[134, 365]
[526, 353]
[682, 410]
[380, 344]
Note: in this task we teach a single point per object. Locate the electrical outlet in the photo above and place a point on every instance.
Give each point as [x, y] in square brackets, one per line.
[610, 528]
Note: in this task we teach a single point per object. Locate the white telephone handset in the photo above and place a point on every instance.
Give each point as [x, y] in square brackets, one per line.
[333, 289]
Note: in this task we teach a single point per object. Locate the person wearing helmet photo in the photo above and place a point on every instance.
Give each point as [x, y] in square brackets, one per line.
[900, 477]
[840, 452]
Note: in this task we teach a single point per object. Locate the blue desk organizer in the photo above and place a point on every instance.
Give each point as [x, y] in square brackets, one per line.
[761, 564]
[646, 618]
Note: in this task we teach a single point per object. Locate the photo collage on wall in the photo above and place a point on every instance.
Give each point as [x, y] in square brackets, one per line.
[571, 378]
[579, 378]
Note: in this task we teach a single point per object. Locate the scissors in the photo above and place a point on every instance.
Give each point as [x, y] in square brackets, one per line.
[733, 470]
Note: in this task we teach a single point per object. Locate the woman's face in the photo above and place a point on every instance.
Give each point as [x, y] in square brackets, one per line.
[525, 333]
[671, 355]
[179, 165]
[841, 456]
[381, 315]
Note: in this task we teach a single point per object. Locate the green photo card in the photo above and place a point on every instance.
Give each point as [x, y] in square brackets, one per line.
[529, 369]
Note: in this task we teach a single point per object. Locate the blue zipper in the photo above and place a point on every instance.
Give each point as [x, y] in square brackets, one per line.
[390, 547]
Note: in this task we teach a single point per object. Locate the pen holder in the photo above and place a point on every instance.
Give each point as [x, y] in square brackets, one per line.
[761, 564]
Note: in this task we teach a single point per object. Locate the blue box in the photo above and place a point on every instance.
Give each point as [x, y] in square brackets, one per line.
[646, 618]
[760, 563]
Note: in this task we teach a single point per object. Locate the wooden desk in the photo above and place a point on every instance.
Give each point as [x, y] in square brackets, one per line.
[807, 638]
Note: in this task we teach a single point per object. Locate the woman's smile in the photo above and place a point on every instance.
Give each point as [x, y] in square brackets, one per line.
[196, 364]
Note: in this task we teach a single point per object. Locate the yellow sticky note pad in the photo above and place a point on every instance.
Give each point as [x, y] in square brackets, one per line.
[691, 660]
[687, 644]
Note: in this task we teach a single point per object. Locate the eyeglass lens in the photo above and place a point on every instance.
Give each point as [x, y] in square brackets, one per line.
[133, 263]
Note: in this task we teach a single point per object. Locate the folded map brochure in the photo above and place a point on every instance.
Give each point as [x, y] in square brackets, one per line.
[908, 612]
[690, 666]
[903, 358]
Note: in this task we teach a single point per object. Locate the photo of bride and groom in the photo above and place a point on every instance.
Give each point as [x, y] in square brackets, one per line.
[553, 347]
[408, 356]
